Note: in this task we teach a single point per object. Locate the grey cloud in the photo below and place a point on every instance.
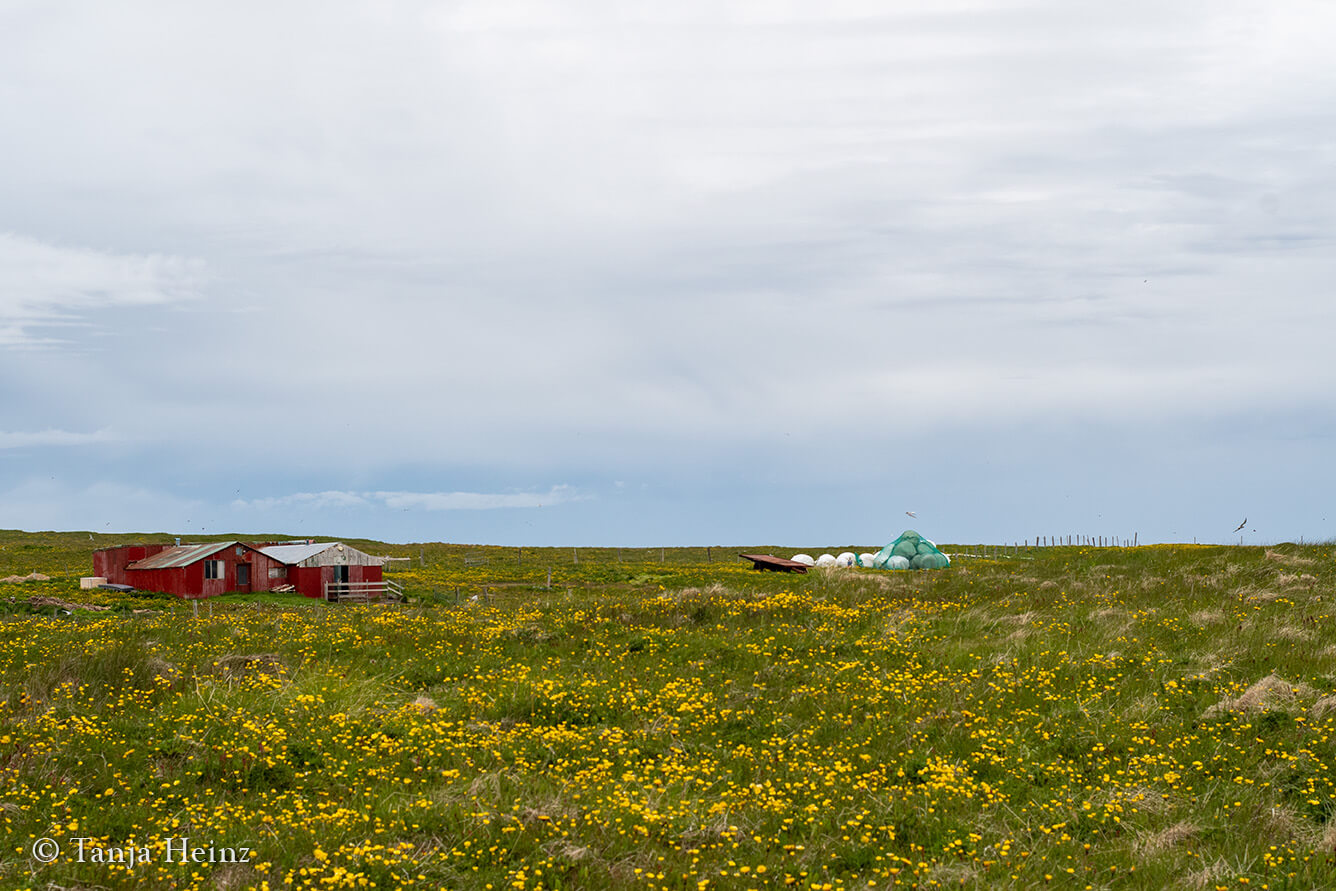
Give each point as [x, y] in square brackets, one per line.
[20, 439]
[502, 242]
[315, 500]
[429, 501]
[46, 287]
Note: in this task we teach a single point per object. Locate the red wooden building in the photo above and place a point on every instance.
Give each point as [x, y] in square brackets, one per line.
[203, 570]
[330, 570]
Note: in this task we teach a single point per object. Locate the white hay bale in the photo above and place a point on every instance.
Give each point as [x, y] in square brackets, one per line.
[804, 559]
[866, 559]
[897, 562]
[825, 560]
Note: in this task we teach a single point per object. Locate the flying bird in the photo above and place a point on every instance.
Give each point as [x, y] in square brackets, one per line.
[1241, 525]
[910, 513]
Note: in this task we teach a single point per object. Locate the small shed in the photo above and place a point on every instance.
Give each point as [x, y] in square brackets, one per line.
[111, 563]
[330, 570]
[193, 571]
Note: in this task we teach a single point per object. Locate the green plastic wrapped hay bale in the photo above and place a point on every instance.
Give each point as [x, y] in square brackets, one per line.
[914, 550]
[909, 551]
[906, 549]
[929, 561]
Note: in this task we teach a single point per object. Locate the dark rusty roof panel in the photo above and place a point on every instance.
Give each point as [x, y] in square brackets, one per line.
[182, 555]
[774, 564]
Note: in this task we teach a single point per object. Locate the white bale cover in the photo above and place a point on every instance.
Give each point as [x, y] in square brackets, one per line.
[825, 560]
[845, 559]
[804, 559]
[897, 562]
[866, 559]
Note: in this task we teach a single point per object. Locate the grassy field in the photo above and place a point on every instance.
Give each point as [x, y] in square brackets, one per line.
[1072, 717]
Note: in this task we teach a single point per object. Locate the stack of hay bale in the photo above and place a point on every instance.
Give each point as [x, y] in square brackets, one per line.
[910, 551]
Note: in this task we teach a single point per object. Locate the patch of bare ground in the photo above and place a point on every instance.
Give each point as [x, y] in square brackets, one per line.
[1022, 623]
[40, 602]
[1293, 632]
[880, 582]
[1254, 596]
[1323, 707]
[565, 851]
[1209, 876]
[1020, 620]
[424, 704]
[1280, 823]
[1271, 692]
[1205, 666]
[1158, 842]
[549, 809]
[233, 877]
[1112, 620]
[1328, 841]
[30, 577]
[163, 670]
[714, 589]
[1289, 559]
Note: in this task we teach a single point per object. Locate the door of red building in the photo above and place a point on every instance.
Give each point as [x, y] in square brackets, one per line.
[243, 576]
[340, 580]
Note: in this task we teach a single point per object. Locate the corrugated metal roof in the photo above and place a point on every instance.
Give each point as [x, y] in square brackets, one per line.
[182, 555]
[294, 554]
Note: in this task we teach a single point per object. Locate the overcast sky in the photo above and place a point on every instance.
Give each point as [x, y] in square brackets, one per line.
[669, 273]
